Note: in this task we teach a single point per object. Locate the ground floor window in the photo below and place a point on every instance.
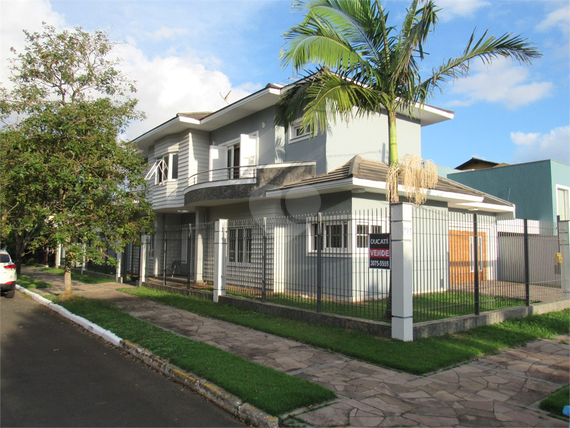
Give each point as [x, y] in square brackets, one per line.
[335, 235]
[239, 243]
[363, 231]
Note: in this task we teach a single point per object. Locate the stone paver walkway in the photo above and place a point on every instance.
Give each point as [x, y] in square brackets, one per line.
[501, 390]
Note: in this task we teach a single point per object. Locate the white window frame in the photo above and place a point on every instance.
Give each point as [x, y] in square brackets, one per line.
[345, 236]
[240, 245]
[161, 169]
[294, 129]
[350, 246]
[371, 227]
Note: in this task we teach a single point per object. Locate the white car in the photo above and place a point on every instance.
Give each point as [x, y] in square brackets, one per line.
[7, 275]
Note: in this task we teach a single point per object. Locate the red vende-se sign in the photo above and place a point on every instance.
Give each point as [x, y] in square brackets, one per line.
[379, 251]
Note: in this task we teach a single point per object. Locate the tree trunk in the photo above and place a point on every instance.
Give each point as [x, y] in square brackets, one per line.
[393, 139]
[20, 247]
[67, 278]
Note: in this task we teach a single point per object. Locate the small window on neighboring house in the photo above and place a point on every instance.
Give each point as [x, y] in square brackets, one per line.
[563, 202]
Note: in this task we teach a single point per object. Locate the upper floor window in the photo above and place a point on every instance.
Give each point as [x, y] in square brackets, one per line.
[296, 132]
[164, 169]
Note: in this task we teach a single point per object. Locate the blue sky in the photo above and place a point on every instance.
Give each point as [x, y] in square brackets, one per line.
[186, 54]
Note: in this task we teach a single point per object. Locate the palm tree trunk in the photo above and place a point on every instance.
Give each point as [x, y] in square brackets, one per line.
[393, 136]
[393, 139]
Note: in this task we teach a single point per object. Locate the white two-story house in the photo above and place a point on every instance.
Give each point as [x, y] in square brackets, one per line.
[236, 164]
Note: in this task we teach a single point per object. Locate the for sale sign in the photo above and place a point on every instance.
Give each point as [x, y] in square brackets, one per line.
[379, 251]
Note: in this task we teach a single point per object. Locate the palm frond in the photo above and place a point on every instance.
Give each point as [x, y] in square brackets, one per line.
[486, 49]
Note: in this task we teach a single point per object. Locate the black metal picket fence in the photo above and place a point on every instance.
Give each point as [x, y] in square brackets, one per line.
[464, 263]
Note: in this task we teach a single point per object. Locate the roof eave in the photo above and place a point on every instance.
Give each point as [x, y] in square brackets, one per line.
[257, 101]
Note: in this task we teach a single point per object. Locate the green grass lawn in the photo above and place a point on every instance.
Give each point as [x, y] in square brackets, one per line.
[427, 307]
[31, 283]
[556, 402]
[85, 278]
[266, 388]
[418, 357]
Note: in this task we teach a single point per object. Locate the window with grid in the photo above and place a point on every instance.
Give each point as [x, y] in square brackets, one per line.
[239, 245]
[335, 235]
[363, 231]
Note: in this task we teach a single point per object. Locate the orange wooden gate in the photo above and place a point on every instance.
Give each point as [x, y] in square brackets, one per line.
[461, 259]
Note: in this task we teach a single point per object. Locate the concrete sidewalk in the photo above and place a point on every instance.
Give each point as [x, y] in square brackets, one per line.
[502, 390]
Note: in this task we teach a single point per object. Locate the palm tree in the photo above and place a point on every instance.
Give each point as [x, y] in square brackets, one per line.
[363, 66]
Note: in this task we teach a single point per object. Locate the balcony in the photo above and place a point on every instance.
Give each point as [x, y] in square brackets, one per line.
[226, 175]
[243, 182]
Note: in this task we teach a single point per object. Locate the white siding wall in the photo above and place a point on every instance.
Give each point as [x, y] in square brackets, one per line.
[198, 156]
[171, 193]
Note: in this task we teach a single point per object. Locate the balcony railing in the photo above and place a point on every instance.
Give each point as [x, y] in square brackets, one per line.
[223, 174]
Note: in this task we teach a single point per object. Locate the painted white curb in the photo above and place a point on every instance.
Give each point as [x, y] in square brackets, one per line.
[87, 325]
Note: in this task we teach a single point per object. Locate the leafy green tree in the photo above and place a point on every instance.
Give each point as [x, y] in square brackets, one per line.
[356, 63]
[67, 176]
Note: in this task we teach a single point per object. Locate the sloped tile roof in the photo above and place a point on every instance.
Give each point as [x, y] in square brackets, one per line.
[368, 169]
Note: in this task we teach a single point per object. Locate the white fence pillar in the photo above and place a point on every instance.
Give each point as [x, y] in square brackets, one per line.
[59, 255]
[402, 272]
[145, 242]
[564, 241]
[120, 267]
[220, 258]
[199, 244]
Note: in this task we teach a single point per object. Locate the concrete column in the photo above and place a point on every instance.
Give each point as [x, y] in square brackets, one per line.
[220, 258]
[564, 241]
[145, 240]
[200, 236]
[58, 255]
[119, 271]
[402, 272]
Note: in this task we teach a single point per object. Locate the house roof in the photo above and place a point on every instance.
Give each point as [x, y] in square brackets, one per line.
[370, 175]
[262, 99]
[476, 163]
[199, 115]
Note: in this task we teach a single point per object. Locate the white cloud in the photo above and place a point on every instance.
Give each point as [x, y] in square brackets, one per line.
[167, 33]
[559, 18]
[534, 146]
[170, 85]
[522, 139]
[460, 8]
[504, 82]
[167, 84]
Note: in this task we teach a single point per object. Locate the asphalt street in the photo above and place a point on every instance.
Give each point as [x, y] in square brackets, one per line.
[55, 374]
